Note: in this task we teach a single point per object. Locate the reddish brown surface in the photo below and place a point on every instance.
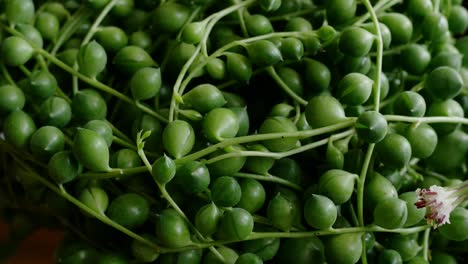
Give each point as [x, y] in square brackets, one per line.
[37, 249]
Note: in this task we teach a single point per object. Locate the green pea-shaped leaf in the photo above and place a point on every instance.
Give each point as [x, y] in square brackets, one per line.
[132, 58]
[317, 75]
[301, 250]
[142, 251]
[444, 83]
[95, 198]
[449, 108]
[226, 191]
[11, 99]
[453, 145]
[415, 215]
[63, 167]
[31, 34]
[216, 68]
[279, 124]
[334, 157]
[298, 24]
[343, 248]
[340, 11]
[16, 51]
[193, 177]
[55, 111]
[91, 150]
[170, 17]
[220, 124]
[46, 141]
[280, 212]
[91, 59]
[405, 244]
[207, 219]
[415, 58]
[391, 213]
[320, 212]
[171, 229]
[253, 195]
[18, 127]
[354, 89]
[228, 255]
[130, 210]
[236, 224]
[238, 67]
[203, 98]
[102, 128]
[434, 27]
[125, 158]
[324, 110]
[356, 42]
[338, 185]
[292, 48]
[146, 83]
[193, 32]
[259, 165]
[244, 120]
[378, 188]
[48, 24]
[400, 27]
[227, 166]
[457, 229]
[163, 170]
[371, 126]
[423, 140]
[178, 138]
[20, 11]
[270, 5]
[258, 25]
[264, 53]
[409, 103]
[111, 38]
[42, 84]
[88, 105]
[394, 150]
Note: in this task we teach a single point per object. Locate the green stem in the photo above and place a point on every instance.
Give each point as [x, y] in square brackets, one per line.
[113, 173]
[378, 61]
[94, 27]
[177, 89]
[194, 14]
[171, 201]
[119, 133]
[434, 174]
[425, 243]
[100, 86]
[419, 86]
[347, 230]
[7, 75]
[271, 70]
[260, 137]
[70, 27]
[101, 217]
[93, 82]
[436, 5]
[429, 119]
[381, 6]
[123, 143]
[180, 77]
[25, 70]
[268, 178]
[360, 186]
[280, 155]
